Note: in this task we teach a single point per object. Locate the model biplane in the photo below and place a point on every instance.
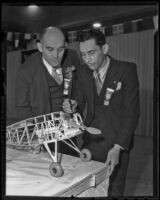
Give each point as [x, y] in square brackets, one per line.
[35, 132]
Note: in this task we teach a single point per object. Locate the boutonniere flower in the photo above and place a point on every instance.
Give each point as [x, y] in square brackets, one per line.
[68, 71]
[68, 78]
[118, 85]
[110, 91]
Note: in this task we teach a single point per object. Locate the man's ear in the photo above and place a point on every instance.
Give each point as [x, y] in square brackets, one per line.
[39, 46]
[105, 48]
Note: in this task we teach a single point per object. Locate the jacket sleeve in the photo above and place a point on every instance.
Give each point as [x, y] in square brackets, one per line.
[78, 93]
[76, 62]
[22, 95]
[131, 107]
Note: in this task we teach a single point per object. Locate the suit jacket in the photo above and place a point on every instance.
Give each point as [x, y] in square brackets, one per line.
[32, 91]
[119, 119]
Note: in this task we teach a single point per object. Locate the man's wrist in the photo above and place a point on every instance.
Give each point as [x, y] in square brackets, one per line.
[118, 147]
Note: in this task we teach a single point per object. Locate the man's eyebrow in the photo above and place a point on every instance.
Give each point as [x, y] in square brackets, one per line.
[48, 47]
[91, 50]
[61, 47]
[88, 51]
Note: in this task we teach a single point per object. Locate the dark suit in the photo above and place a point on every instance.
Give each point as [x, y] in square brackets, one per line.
[119, 119]
[32, 91]
[33, 96]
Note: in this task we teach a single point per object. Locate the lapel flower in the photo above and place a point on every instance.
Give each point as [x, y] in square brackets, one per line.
[68, 71]
[110, 91]
[119, 85]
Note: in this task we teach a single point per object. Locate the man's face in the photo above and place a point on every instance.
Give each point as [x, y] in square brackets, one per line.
[52, 48]
[92, 54]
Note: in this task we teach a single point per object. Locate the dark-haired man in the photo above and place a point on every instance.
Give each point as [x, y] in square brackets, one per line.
[110, 88]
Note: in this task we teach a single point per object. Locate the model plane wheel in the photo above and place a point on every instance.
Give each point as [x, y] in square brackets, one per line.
[56, 169]
[85, 155]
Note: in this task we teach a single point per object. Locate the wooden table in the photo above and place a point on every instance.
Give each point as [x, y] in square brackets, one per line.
[28, 175]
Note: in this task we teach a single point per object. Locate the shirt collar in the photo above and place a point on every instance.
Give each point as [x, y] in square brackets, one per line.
[47, 65]
[103, 70]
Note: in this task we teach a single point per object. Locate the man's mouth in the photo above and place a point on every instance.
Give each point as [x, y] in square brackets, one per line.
[55, 61]
[89, 64]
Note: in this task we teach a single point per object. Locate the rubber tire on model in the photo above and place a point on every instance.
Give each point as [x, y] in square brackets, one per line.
[85, 155]
[56, 169]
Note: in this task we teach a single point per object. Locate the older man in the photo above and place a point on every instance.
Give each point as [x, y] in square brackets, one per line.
[40, 80]
[38, 91]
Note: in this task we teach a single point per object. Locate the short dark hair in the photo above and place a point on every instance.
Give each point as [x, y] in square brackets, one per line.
[95, 34]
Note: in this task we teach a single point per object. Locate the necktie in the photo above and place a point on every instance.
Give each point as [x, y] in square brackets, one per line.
[98, 82]
[57, 75]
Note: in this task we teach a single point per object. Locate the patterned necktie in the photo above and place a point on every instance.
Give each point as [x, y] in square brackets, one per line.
[57, 75]
[98, 82]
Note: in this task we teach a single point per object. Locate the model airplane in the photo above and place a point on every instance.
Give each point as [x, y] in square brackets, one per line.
[35, 132]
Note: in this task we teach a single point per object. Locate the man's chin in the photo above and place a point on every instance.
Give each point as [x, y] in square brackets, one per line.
[91, 67]
[56, 64]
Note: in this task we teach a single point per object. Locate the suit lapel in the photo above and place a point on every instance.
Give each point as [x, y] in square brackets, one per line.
[42, 84]
[108, 82]
[110, 77]
[90, 87]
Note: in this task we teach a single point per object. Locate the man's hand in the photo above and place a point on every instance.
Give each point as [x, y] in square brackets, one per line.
[112, 159]
[69, 105]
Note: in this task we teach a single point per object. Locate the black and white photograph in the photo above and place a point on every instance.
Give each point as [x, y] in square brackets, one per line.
[80, 100]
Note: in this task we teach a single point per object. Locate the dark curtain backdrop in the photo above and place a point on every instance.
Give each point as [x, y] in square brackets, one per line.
[138, 47]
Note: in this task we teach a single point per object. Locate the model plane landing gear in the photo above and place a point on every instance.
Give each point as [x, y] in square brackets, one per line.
[85, 155]
[36, 133]
[56, 169]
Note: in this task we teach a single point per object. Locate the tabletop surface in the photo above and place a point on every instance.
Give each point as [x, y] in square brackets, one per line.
[28, 175]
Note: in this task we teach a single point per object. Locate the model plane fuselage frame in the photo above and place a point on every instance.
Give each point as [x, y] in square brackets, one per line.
[45, 129]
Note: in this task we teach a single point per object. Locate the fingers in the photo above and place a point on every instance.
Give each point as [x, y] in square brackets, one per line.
[110, 169]
[112, 160]
[67, 110]
[69, 105]
[66, 106]
[107, 161]
[66, 103]
[74, 105]
[110, 164]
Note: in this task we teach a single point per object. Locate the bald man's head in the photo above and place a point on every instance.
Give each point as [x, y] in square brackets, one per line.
[51, 32]
[52, 45]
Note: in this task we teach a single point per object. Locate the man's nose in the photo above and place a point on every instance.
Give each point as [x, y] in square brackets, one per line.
[55, 54]
[87, 59]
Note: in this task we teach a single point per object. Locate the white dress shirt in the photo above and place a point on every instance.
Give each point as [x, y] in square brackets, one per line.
[49, 67]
